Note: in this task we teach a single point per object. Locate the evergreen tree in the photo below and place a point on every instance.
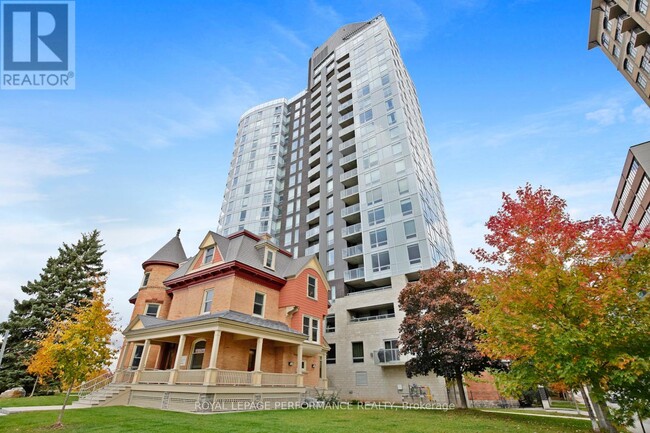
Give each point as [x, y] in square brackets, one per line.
[65, 281]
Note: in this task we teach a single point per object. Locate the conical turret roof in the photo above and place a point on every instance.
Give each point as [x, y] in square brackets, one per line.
[172, 253]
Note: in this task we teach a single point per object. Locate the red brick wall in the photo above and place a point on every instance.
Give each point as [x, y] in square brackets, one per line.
[483, 388]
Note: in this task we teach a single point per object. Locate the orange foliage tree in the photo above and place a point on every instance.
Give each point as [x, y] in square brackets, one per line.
[564, 301]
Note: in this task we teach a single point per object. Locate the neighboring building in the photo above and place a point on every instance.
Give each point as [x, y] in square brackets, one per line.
[621, 28]
[632, 200]
[239, 323]
[344, 170]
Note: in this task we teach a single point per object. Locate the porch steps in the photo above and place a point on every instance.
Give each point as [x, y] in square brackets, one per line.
[101, 396]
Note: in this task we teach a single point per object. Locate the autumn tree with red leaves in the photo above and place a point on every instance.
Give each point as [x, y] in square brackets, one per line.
[565, 303]
[435, 329]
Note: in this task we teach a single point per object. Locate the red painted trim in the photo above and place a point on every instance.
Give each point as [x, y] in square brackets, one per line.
[224, 270]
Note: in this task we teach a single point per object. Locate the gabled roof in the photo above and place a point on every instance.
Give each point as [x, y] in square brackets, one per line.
[149, 322]
[248, 249]
[172, 253]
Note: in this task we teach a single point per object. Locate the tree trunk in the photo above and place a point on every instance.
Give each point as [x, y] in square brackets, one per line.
[65, 402]
[602, 412]
[34, 387]
[461, 390]
[592, 416]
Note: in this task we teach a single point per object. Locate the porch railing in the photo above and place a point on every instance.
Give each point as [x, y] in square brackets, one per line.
[190, 377]
[154, 376]
[94, 384]
[123, 376]
[233, 377]
[279, 379]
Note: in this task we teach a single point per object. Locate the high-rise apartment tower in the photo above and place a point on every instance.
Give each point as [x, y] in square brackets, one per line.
[344, 170]
[622, 30]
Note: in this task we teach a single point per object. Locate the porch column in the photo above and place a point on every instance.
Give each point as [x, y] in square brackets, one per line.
[323, 369]
[300, 381]
[143, 361]
[177, 360]
[257, 372]
[211, 372]
[145, 354]
[123, 359]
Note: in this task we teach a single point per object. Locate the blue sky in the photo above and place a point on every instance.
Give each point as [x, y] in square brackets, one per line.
[508, 90]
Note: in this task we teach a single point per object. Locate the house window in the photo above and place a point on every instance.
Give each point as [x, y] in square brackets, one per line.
[371, 160]
[258, 304]
[641, 81]
[385, 80]
[310, 328]
[357, 351]
[392, 118]
[137, 356]
[207, 301]
[642, 6]
[269, 261]
[330, 219]
[330, 258]
[407, 207]
[311, 287]
[409, 229]
[209, 255]
[365, 116]
[331, 354]
[372, 178]
[378, 238]
[330, 323]
[198, 352]
[330, 238]
[152, 310]
[376, 216]
[389, 105]
[628, 66]
[145, 279]
[380, 261]
[373, 196]
[403, 186]
[414, 254]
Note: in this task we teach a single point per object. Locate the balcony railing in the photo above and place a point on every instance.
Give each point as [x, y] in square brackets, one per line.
[314, 249]
[353, 274]
[351, 230]
[350, 210]
[313, 215]
[312, 232]
[350, 191]
[348, 175]
[352, 251]
[314, 199]
[369, 318]
[345, 160]
[386, 356]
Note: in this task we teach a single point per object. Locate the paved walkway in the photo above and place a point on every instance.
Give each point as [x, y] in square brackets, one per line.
[10, 410]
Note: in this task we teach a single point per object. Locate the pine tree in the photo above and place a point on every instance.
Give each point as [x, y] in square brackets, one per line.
[65, 281]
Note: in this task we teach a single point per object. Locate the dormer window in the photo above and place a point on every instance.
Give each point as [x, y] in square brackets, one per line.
[145, 279]
[209, 255]
[269, 259]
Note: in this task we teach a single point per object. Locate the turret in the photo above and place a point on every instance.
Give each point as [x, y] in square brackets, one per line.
[152, 298]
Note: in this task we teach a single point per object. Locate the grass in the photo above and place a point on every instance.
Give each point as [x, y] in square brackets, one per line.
[132, 419]
[46, 400]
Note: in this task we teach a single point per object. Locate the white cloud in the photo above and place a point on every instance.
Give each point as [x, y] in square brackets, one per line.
[641, 114]
[610, 115]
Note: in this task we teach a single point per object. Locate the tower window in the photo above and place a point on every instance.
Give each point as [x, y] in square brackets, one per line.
[152, 310]
[145, 279]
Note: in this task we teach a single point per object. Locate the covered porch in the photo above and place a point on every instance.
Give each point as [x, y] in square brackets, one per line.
[219, 352]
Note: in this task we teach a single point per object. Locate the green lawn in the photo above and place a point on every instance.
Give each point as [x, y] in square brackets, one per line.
[132, 419]
[49, 400]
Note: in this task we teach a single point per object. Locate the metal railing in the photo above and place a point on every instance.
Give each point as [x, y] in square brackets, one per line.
[369, 318]
[352, 251]
[351, 230]
[383, 356]
[353, 274]
[94, 384]
[349, 210]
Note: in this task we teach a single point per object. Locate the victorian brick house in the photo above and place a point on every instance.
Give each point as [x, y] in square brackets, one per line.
[241, 321]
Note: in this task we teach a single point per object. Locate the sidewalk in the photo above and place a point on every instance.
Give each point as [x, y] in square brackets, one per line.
[10, 410]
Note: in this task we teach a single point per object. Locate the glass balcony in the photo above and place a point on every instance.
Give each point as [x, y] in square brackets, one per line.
[353, 274]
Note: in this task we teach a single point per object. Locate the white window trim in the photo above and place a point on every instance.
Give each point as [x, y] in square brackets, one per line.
[268, 250]
[145, 279]
[311, 322]
[263, 304]
[146, 307]
[205, 255]
[205, 296]
[135, 349]
[315, 288]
